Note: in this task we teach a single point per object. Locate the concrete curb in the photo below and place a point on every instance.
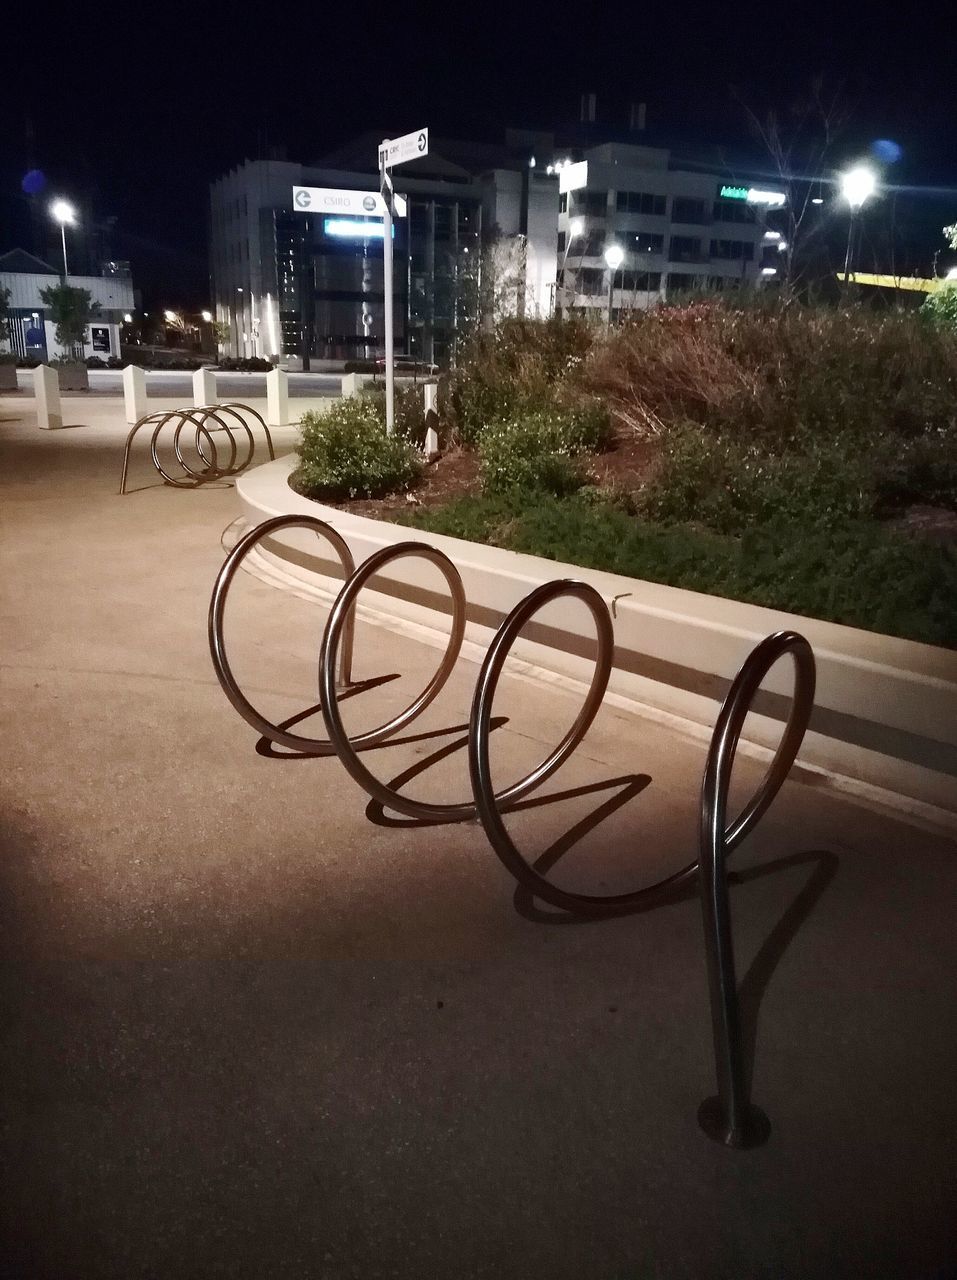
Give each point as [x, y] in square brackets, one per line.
[886, 709]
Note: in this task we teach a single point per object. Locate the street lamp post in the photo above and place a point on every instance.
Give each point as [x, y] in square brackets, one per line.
[856, 186]
[576, 227]
[64, 213]
[614, 257]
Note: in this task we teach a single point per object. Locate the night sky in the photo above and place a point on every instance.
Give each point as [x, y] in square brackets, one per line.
[136, 108]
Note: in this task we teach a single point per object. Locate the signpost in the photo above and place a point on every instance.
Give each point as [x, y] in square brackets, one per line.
[393, 151]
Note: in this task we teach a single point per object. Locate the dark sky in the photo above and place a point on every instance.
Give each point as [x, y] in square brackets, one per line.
[139, 107]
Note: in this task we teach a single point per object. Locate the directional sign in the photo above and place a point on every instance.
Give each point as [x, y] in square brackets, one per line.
[331, 200]
[409, 147]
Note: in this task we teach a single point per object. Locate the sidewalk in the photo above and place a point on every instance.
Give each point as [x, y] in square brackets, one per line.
[255, 1028]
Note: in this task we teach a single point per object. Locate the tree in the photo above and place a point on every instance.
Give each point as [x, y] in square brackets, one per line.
[4, 314]
[801, 148]
[71, 310]
[951, 235]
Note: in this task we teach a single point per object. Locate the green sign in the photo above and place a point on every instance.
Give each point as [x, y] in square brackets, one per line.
[733, 193]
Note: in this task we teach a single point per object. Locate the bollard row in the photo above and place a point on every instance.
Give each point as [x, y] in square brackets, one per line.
[730, 1117]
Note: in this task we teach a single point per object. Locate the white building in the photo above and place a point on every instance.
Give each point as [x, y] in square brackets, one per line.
[280, 273]
[679, 229]
[33, 333]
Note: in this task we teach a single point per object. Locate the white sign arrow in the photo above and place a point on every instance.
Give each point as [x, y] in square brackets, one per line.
[411, 146]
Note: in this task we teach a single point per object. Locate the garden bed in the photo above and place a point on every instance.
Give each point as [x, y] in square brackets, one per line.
[797, 458]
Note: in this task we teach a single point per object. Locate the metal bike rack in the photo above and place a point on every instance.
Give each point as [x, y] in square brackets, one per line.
[730, 1117]
[221, 417]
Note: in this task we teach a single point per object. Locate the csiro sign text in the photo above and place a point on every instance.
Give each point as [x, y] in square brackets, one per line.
[331, 200]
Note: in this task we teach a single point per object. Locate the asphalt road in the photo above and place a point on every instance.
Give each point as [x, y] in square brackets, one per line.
[235, 386]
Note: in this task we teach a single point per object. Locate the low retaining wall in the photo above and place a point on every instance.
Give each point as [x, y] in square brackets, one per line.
[886, 709]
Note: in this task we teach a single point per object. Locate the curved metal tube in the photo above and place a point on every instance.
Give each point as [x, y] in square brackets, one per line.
[348, 748]
[731, 1118]
[480, 766]
[232, 406]
[217, 646]
[196, 478]
[212, 470]
[146, 420]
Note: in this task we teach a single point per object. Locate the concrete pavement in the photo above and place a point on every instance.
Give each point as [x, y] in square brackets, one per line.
[254, 1027]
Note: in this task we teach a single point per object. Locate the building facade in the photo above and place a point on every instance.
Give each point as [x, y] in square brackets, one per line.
[518, 227]
[286, 280]
[680, 229]
[33, 332]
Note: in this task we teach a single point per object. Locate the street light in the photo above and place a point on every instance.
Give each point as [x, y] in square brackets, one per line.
[614, 257]
[576, 227]
[856, 186]
[64, 213]
[207, 316]
[169, 316]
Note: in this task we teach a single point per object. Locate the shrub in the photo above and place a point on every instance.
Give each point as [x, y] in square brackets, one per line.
[409, 406]
[940, 308]
[517, 366]
[538, 452]
[241, 364]
[780, 373]
[95, 362]
[730, 486]
[346, 453]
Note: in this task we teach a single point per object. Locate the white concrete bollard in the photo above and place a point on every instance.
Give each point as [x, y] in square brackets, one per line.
[46, 388]
[431, 407]
[204, 388]
[350, 384]
[277, 398]
[134, 393]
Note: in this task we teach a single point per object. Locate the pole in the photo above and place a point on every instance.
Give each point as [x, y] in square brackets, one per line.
[847, 256]
[386, 188]
[63, 239]
[611, 285]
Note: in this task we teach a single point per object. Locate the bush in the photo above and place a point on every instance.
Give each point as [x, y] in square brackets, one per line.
[940, 308]
[409, 406]
[95, 362]
[346, 453]
[520, 365]
[241, 364]
[538, 452]
[777, 373]
[731, 486]
[116, 362]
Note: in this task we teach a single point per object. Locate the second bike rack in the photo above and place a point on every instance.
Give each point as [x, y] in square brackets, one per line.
[730, 1117]
[208, 420]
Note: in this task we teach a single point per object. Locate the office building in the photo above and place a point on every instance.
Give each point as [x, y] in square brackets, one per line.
[287, 278]
[680, 229]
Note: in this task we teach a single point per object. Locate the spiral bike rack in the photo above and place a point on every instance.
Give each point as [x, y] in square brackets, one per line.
[208, 420]
[730, 1117]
